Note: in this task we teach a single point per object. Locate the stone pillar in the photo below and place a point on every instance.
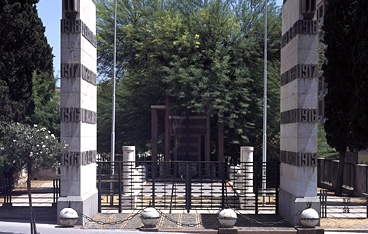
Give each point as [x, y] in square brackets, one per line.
[246, 169]
[128, 167]
[246, 177]
[78, 107]
[299, 103]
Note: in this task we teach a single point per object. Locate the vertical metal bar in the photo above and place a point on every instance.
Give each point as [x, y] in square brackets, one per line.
[188, 188]
[256, 169]
[113, 115]
[99, 186]
[154, 168]
[277, 186]
[120, 186]
[264, 152]
[54, 190]
[222, 168]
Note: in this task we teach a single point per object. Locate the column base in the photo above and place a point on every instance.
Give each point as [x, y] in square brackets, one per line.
[86, 204]
[317, 230]
[290, 205]
[227, 231]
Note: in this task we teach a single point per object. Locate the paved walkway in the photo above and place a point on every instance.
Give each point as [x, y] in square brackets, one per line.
[194, 221]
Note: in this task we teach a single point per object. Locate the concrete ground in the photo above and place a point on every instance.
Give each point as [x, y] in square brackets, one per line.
[15, 220]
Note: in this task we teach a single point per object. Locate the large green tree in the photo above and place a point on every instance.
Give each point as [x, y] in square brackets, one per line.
[359, 113]
[26, 70]
[208, 52]
[339, 38]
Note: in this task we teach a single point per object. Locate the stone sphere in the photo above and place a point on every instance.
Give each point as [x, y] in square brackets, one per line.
[227, 218]
[150, 217]
[309, 217]
[68, 217]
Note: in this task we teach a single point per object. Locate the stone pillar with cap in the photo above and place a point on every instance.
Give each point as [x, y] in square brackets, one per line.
[246, 177]
[128, 167]
[298, 107]
[78, 107]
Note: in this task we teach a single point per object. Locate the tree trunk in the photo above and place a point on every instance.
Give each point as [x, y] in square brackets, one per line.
[32, 220]
[340, 174]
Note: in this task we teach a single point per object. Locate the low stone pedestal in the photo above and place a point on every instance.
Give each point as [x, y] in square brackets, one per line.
[227, 231]
[148, 229]
[316, 230]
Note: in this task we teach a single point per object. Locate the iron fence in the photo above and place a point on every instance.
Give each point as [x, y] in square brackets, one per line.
[187, 185]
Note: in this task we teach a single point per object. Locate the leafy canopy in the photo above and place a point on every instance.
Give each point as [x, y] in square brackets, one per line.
[22, 145]
[210, 53]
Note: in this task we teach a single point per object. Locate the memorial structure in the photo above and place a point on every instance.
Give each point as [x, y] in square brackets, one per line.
[299, 100]
[78, 107]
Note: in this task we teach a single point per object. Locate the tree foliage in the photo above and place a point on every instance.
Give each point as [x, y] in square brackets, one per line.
[208, 52]
[339, 38]
[29, 148]
[359, 113]
[25, 60]
[22, 144]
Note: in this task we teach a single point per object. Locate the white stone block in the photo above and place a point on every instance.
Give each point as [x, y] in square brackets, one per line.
[301, 174]
[70, 99]
[70, 85]
[290, 14]
[298, 188]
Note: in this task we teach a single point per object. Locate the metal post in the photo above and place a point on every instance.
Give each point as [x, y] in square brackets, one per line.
[188, 188]
[256, 169]
[154, 168]
[222, 165]
[119, 187]
[99, 186]
[264, 153]
[113, 115]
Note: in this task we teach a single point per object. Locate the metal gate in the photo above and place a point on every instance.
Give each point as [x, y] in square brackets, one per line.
[188, 186]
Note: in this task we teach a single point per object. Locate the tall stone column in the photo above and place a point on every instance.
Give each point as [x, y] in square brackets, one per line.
[299, 93]
[78, 107]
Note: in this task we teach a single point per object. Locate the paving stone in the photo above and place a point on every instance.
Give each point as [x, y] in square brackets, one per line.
[134, 223]
[169, 224]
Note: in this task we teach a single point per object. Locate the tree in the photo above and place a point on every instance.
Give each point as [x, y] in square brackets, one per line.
[338, 73]
[323, 148]
[45, 101]
[202, 50]
[359, 113]
[24, 147]
[25, 59]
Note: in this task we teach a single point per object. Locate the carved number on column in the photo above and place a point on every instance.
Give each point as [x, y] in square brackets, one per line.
[78, 158]
[299, 27]
[299, 71]
[299, 116]
[299, 159]
[70, 114]
[73, 70]
[78, 26]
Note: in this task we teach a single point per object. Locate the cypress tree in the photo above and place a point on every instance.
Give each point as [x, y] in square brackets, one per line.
[25, 54]
[337, 70]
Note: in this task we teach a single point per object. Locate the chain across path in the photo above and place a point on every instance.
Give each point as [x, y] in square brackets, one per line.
[191, 224]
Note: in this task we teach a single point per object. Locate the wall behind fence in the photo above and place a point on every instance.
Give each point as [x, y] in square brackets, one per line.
[355, 180]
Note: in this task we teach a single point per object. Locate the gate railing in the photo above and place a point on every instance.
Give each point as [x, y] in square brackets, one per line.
[187, 185]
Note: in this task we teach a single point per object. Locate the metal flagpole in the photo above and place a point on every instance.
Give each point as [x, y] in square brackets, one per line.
[264, 152]
[113, 116]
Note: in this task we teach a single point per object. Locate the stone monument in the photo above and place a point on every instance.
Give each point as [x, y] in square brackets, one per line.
[299, 98]
[78, 107]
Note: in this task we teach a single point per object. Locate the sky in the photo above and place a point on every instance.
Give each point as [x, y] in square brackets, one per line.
[50, 13]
